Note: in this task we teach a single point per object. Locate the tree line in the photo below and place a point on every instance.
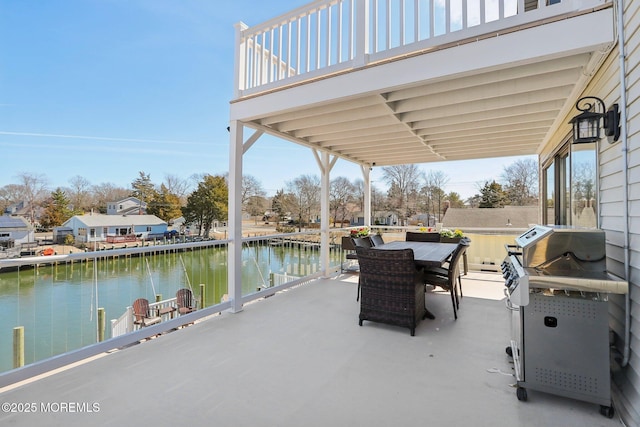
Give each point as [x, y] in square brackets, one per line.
[202, 198]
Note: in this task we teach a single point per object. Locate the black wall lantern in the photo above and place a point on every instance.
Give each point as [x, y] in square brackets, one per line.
[586, 125]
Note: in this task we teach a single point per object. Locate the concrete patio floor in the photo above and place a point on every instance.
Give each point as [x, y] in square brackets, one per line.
[298, 359]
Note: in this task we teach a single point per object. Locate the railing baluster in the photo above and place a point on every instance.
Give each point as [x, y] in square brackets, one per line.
[282, 58]
[308, 43]
[318, 38]
[254, 54]
[432, 18]
[272, 56]
[465, 13]
[340, 23]
[350, 26]
[402, 23]
[299, 37]
[417, 13]
[328, 36]
[389, 26]
[447, 18]
[375, 26]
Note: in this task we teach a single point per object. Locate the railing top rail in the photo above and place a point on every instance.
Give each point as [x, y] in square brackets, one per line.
[293, 15]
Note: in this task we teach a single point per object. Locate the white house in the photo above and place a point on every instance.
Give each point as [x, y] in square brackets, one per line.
[14, 231]
[129, 206]
[97, 228]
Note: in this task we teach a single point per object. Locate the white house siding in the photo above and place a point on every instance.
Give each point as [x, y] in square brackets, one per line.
[627, 380]
[605, 84]
[142, 225]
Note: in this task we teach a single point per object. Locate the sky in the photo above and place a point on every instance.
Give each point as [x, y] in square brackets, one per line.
[104, 89]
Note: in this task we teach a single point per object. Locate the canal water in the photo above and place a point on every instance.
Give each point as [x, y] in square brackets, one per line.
[57, 304]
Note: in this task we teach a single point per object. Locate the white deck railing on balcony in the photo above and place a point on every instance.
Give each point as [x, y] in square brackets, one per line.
[329, 36]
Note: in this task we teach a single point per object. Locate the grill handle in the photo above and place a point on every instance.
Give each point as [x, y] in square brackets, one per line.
[513, 250]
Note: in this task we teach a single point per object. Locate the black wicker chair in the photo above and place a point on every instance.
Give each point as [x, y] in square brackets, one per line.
[392, 291]
[364, 242]
[449, 278]
[349, 251]
[422, 237]
[376, 240]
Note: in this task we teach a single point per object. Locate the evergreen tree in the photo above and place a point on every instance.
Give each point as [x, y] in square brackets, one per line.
[492, 196]
[208, 203]
[281, 204]
[56, 209]
[165, 205]
[143, 188]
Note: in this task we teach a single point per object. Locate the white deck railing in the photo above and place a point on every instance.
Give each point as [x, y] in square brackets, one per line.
[124, 324]
[329, 36]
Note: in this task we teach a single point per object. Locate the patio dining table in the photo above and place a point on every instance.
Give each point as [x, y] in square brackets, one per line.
[425, 254]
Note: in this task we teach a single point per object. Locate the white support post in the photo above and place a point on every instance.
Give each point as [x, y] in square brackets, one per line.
[366, 170]
[234, 262]
[325, 187]
[325, 164]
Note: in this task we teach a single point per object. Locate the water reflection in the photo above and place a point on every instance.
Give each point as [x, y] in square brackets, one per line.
[57, 304]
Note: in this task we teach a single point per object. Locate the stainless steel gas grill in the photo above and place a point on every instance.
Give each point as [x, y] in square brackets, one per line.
[557, 289]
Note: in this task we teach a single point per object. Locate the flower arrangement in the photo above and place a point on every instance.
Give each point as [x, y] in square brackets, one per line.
[360, 232]
[445, 232]
[426, 229]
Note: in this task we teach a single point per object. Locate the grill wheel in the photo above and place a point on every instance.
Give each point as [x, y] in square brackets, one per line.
[521, 394]
[607, 411]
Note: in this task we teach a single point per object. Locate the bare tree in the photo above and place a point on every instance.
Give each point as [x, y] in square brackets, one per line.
[340, 194]
[520, 182]
[403, 181]
[434, 183]
[79, 192]
[9, 194]
[34, 190]
[251, 187]
[178, 186]
[306, 190]
[105, 193]
[358, 193]
[378, 202]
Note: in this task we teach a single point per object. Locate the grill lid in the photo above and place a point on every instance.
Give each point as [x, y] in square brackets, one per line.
[563, 247]
[567, 258]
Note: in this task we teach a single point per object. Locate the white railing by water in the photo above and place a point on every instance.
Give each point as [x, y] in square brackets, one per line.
[331, 36]
[125, 323]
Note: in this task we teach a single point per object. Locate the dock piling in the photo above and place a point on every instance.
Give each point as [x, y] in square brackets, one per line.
[202, 295]
[18, 346]
[101, 323]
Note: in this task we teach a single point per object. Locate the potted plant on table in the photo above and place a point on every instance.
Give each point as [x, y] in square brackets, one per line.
[451, 236]
[360, 232]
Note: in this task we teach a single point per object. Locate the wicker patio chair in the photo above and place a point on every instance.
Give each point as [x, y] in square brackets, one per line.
[422, 237]
[391, 288]
[363, 242]
[349, 251]
[449, 278]
[142, 314]
[376, 240]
